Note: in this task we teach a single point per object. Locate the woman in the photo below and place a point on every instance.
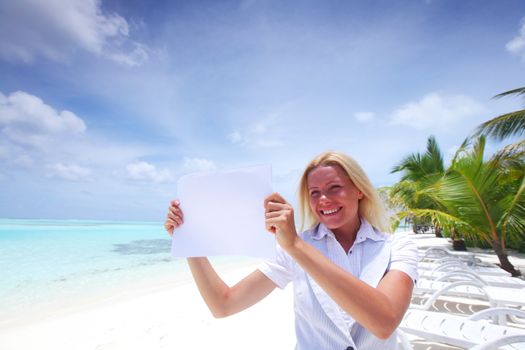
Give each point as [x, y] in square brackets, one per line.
[352, 282]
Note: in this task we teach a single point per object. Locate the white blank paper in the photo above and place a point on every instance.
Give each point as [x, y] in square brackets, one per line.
[224, 214]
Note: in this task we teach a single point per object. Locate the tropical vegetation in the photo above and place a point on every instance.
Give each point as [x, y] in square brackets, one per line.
[506, 125]
[478, 197]
[419, 171]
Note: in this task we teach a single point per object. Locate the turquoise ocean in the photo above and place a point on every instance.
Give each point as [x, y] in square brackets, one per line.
[49, 262]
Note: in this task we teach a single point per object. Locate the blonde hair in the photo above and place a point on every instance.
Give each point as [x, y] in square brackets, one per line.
[370, 206]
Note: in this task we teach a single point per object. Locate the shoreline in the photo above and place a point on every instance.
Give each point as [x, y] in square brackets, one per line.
[63, 306]
[171, 315]
[168, 313]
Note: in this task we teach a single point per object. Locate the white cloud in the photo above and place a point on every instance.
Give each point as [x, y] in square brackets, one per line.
[436, 111]
[55, 29]
[71, 172]
[266, 133]
[34, 135]
[135, 57]
[236, 137]
[517, 45]
[364, 117]
[198, 164]
[26, 120]
[144, 171]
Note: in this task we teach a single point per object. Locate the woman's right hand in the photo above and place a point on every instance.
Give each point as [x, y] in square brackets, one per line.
[174, 218]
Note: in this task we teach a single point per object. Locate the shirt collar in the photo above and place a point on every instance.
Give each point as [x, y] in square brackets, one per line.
[366, 231]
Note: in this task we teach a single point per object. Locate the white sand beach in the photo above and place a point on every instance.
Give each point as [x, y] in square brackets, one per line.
[165, 316]
[171, 316]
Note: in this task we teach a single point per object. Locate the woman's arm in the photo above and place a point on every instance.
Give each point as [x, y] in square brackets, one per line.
[221, 299]
[380, 310]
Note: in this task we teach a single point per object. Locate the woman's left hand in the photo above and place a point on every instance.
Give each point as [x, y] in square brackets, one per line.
[280, 219]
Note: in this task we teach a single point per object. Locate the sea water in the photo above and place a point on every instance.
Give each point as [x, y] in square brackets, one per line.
[55, 262]
[43, 262]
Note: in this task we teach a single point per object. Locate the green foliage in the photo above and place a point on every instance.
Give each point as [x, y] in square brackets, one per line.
[479, 200]
[504, 125]
[482, 201]
[509, 124]
[418, 172]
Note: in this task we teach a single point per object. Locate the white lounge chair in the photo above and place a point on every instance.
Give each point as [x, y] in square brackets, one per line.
[495, 281]
[437, 253]
[471, 290]
[447, 265]
[430, 291]
[496, 344]
[466, 332]
[496, 296]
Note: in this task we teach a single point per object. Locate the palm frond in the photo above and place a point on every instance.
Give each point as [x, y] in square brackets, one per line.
[411, 164]
[518, 91]
[424, 168]
[478, 149]
[460, 152]
[446, 220]
[513, 151]
[466, 192]
[433, 156]
[513, 221]
[509, 124]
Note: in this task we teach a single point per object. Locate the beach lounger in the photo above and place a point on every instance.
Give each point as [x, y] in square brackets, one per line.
[453, 276]
[495, 296]
[458, 265]
[496, 344]
[466, 332]
[505, 296]
[432, 290]
[438, 253]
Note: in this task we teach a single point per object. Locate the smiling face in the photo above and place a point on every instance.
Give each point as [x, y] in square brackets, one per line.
[334, 199]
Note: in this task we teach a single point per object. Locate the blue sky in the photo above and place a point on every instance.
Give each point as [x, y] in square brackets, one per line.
[105, 104]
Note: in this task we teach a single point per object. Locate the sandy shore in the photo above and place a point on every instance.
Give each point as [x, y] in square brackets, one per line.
[172, 316]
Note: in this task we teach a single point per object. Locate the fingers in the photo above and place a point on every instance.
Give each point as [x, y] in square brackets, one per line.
[169, 226]
[276, 202]
[274, 214]
[277, 222]
[271, 228]
[274, 223]
[279, 218]
[174, 218]
[175, 208]
[273, 206]
[277, 212]
[275, 197]
[175, 213]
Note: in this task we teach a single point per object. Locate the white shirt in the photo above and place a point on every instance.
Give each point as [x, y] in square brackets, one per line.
[319, 322]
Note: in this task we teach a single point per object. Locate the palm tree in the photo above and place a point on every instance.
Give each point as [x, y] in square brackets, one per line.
[485, 199]
[506, 125]
[418, 171]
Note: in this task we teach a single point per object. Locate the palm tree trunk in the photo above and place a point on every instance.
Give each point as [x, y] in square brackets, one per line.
[458, 243]
[437, 231]
[505, 264]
